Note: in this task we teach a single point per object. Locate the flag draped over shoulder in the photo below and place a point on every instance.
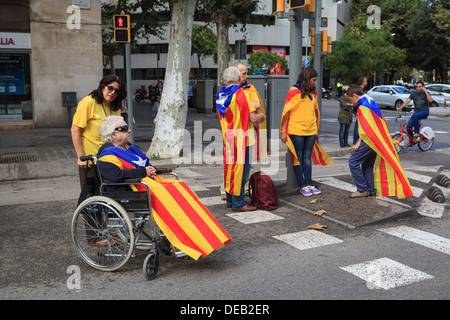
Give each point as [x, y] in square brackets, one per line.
[318, 155]
[389, 176]
[260, 148]
[233, 109]
[176, 209]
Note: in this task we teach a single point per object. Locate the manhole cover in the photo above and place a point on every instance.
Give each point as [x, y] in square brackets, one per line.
[18, 154]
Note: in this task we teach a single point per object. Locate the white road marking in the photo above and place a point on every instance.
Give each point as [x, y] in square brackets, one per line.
[308, 239]
[254, 216]
[417, 177]
[423, 238]
[386, 273]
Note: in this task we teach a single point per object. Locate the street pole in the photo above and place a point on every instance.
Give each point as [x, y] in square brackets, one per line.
[295, 67]
[318, 50]
[129, 93]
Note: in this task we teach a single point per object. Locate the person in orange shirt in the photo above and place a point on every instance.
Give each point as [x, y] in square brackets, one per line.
[300, 123]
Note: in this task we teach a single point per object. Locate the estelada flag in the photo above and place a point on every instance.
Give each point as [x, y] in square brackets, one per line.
[260, 147]
[176, 209]
[318, 155]
[389, 177]
[234, 113]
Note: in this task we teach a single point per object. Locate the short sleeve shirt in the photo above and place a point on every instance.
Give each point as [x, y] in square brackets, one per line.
[89, 116]
[420, 101]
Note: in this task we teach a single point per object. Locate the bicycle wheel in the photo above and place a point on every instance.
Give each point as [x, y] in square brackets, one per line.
[103, 233]
[398, 142]
[425, 144]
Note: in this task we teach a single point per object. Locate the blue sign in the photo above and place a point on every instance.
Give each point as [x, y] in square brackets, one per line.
[306, 62]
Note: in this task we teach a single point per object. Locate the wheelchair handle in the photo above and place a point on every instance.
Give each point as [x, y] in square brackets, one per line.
[161, 171]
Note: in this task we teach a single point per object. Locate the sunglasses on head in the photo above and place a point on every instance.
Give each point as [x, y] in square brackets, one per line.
[111, 88]
[122, 128]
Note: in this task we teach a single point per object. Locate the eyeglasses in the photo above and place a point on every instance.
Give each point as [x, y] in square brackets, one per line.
[122, 128]
[111, 88]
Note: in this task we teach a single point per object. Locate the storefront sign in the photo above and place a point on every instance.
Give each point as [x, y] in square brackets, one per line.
[15, 40]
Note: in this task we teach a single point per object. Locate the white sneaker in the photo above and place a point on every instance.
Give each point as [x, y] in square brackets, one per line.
[314, 190]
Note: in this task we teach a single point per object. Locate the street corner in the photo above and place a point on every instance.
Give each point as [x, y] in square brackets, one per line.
[335, 205]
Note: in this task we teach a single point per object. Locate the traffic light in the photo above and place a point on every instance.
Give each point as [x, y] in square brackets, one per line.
[329, 41]
[311, 7]
[312, 40]
[122, 28]
[278, 6]
[324, 46]
[298, 4]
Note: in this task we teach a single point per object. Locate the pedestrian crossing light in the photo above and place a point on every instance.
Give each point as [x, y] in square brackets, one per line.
[122, 28]
[298, 4]
[278, 6]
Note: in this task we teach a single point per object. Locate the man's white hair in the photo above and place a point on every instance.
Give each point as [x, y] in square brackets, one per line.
[231, 74]
[108, 126]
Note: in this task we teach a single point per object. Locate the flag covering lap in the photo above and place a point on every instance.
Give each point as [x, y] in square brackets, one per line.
[176, 209]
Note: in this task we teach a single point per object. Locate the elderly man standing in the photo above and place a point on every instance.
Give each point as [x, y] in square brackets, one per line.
[236, 114]
[261, 128]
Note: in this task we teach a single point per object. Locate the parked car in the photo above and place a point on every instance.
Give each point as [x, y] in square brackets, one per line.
[439, 99]
[444, 89]
[390, 96]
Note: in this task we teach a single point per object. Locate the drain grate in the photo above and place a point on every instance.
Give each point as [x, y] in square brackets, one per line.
[18, 154]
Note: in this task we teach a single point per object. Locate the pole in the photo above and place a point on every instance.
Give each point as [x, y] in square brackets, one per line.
[295, 67]
[129, 96]
[318, 50]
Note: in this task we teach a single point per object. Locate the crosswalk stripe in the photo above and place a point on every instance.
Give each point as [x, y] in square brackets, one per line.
[423, 238]
[417, 176]
[386, 273]
[308, 239]
[254, 216]
[211, 201]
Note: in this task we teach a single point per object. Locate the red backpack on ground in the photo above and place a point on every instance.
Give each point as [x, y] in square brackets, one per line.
[262, 191]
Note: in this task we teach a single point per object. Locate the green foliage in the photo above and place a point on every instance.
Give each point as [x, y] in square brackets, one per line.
[258, 59]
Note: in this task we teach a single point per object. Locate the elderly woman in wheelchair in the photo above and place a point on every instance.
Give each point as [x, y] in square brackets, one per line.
[107, 228]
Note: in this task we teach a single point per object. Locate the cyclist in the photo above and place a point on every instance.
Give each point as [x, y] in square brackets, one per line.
[422, 100]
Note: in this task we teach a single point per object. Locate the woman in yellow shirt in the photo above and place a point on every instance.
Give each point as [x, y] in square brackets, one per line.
[104, 101]
[300, 122]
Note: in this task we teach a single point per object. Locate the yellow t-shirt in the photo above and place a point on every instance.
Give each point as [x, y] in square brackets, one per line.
[304, 117]
[89, 116]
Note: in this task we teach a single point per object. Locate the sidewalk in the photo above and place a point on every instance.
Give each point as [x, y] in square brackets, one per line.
[48, 152]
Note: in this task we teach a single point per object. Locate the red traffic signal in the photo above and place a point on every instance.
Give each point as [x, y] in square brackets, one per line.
[121, 21]
[122, 28]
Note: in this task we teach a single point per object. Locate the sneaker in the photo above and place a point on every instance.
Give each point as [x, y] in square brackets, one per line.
[358, 194]
[314, 190]
[305, 191]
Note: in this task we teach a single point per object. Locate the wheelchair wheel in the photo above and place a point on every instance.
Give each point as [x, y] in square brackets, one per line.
[103, 233]
[151, 265]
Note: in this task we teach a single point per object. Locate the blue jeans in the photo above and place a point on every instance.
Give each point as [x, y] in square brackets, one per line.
[303, 147]
[343, 134]
[361, 167]
[237, 202]
[414, 122]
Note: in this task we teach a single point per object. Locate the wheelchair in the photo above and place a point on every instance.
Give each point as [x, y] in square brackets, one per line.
[108, 227]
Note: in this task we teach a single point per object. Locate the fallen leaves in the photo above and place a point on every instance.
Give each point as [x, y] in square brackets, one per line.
[313, 201]
[317, 226]
[319, 213]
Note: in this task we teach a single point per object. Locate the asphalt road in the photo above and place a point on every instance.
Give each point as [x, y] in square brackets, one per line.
[400, 260]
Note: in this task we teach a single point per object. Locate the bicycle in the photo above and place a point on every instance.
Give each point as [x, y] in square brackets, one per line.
[424, 141]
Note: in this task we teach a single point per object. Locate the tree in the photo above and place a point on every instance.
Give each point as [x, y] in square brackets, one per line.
[150, 21]
[204, 43]
[167, 140]
[225, 14]
[258, 59]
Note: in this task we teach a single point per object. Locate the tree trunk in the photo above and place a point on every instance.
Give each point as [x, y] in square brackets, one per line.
[167, 141]
[222, 49]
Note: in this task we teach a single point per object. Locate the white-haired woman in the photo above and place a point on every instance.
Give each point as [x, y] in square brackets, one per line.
[114, 132]
[236, 114]
[176, 209]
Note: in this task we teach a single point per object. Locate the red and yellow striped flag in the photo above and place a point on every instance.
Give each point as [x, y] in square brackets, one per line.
[389, 177]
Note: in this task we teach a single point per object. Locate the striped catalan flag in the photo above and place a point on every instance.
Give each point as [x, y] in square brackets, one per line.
[176, 209]
[233, 110]
[389, 177]
[318, 155]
